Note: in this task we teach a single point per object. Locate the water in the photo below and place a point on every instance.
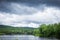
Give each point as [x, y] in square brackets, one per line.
[23, 37]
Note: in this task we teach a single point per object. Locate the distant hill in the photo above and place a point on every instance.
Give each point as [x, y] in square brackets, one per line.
[4, 26]
[13, 26]
[7, 26]
[6, 29]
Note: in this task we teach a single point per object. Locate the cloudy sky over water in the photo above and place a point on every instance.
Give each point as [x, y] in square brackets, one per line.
[29, 13]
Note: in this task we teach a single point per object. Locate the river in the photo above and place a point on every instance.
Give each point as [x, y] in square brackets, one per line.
[23, 37]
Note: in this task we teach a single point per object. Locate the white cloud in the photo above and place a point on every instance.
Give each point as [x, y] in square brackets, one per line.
[48, 15]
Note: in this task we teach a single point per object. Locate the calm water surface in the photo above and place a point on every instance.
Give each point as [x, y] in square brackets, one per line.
[23, 37]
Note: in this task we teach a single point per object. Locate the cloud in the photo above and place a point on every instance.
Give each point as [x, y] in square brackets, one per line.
[15, 20]
[23, 15]
[17, 8]
[47, 16]
[20, 8]
[36, 2]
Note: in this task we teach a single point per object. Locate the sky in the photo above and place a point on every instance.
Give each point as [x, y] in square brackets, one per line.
[29, 13]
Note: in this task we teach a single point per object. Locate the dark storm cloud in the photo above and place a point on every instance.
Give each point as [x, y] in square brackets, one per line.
[4, 5]
[52, 2]
[37, 2]
[16, 8]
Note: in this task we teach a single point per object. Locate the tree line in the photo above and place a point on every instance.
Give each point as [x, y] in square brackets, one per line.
[50, 30]
[44, 30]
[10, 30]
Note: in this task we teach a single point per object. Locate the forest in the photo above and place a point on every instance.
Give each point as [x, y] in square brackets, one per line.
[44, 30]
[50, 30]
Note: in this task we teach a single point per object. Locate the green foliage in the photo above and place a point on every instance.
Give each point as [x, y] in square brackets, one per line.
[36, 32]
[51, 30]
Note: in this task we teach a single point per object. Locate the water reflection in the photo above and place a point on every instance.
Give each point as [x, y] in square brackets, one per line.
[22, 37]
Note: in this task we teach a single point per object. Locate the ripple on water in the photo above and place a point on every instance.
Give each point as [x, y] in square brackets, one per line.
[22, 37]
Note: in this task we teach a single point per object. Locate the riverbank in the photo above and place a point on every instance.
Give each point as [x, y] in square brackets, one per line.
[50, 30]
